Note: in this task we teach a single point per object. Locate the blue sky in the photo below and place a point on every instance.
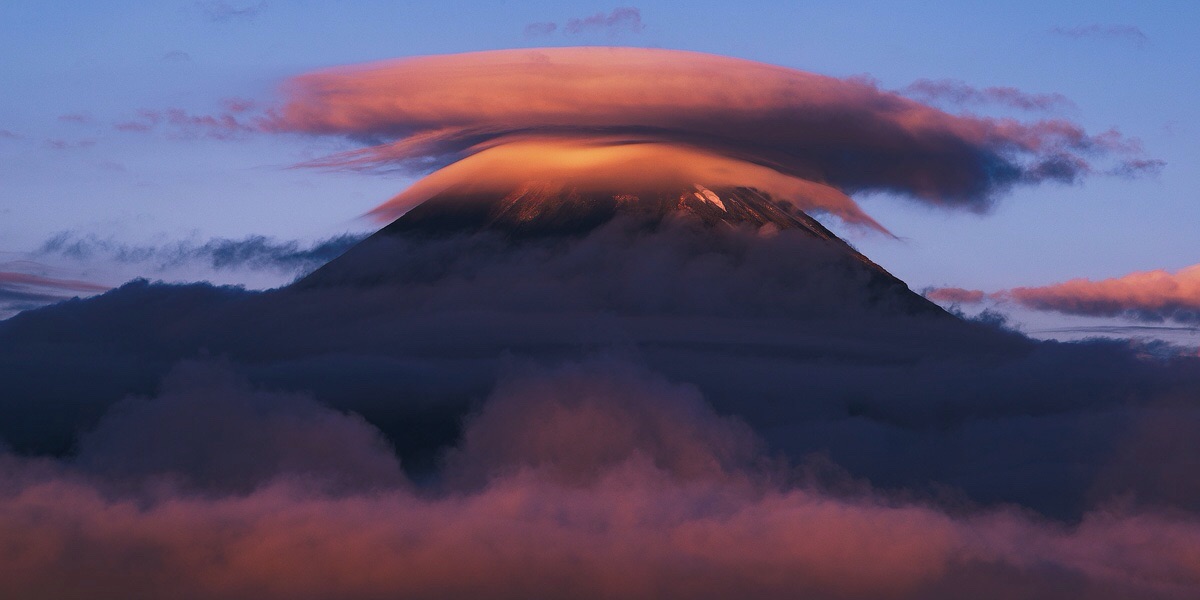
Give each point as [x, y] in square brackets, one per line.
[73, 70]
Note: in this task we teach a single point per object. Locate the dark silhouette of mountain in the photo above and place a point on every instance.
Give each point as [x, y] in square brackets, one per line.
[537, 215]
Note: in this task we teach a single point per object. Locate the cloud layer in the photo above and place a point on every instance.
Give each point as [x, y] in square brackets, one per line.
[424, 113]
[591, 480]
[682, 411]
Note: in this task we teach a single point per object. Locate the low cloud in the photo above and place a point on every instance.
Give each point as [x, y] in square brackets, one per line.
[1125, 33]
[953, 91]
[662, 497]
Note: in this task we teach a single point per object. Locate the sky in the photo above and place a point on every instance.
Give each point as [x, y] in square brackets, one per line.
[679, 410]
[76, 73]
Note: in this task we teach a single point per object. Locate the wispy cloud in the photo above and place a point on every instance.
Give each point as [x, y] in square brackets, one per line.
[20, 290]
[953, 91]
[220, 11]
[254, 252]
[236, 120]
[540, 29]
[65, 144]
[1124, 33]
[621, 21]
[177, 56]
[80, 118]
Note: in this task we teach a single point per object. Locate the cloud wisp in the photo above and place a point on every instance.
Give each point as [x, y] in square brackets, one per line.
[426, 113]
[1125, 33]
[255, 252]
[619, 22]
[1155, 296]
[953, 91]
[19, 291]
[221, 11]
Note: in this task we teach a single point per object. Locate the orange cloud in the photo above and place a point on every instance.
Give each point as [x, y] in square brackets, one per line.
[587, 165]
[423, 113]
[1151, 295]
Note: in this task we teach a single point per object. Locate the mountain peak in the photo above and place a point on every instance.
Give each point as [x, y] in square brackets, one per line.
[541, 214]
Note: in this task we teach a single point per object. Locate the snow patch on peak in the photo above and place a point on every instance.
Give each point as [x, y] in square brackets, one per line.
[706, 195]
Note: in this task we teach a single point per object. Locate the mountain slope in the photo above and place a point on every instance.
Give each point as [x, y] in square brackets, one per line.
[541, 216]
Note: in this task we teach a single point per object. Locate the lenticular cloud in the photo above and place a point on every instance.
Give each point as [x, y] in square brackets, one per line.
[810, 132]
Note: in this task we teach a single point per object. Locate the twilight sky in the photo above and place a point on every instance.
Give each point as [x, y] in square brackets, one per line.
[647, 408]
[106, 151]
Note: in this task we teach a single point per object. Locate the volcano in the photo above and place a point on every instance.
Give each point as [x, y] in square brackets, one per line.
[542, 214]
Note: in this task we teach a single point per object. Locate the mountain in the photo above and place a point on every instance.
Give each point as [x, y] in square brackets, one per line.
[537, 215]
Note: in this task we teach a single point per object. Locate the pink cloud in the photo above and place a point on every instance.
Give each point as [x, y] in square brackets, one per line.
[954, 295]
[846, 134]
[1154, 295]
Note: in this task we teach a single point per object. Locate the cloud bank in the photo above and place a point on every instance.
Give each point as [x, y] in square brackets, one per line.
[425, 113]
[590, 480]
[684, 411]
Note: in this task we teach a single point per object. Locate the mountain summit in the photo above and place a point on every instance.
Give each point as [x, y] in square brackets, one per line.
[546, 215]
